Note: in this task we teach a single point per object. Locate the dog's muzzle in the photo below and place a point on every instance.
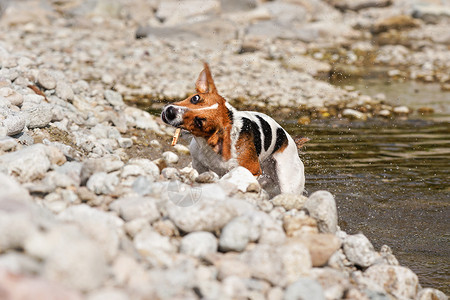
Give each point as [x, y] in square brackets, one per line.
[172, 115]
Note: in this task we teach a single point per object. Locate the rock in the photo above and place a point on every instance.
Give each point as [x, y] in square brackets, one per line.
[46, 80]
[28, 163]
[64, 91]
[114, 98]
[308, 65]
[172, 12]
[303, 289]
[359, 250]
[401, 110]
[103, 227]
[198, 244]
[210, 213]
[131, 208]
[125, 142]
[359, 4]
[322, 207]
[238, 179]
[108, 294]
[149, 167]
[61, 249]
[287, 13]
[170, 157]
[321, 247]
[102, 183]
[38, 116]
[14, 124]
[399, 282]
[354, 114]
[182, 149]
[265, 263]
[296, 260]
[238, 5]
[236, 235]
[7, 143]
[18, 286]
[431, 13]
[154, 247]
[12, 96]
[289, 201]
[399, 22]
[207, 177]
[170, 173]
[431, 294]
[19, 263]
[142, 186]
[334, 283]
[298, 224]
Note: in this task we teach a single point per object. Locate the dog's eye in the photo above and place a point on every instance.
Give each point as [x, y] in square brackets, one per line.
[195, 99]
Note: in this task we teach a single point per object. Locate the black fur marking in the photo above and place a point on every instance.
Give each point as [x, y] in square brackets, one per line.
[281, 139]
[267, 130]
[230, 115]
[252, 128]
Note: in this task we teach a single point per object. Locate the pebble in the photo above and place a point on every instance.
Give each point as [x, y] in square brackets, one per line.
[14, 124]
[207, 177]
[114, 98]
[359, 250]
[182, 149]
[102, 183]
[354, 114]
[136, 207]
[235, 235]
[304, 288]
[46, 80]
[289, 201]
[11, 96]
[321, 247]
[38, 116]
[28, 163]
[431, 294]
[125, 142]
[401, 110]
[170, 157]
[64, 91]
[198, 244]
[322, 207]
[238, 179]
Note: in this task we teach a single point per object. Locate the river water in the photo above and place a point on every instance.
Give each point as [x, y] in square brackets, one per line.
[391, 180]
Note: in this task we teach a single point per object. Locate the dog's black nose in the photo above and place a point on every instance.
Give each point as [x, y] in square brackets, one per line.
[170, 113]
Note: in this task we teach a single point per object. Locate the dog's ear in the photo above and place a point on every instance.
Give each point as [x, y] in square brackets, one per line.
[205, 82]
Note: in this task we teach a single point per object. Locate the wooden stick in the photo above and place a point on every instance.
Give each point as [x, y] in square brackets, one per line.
[176, 136]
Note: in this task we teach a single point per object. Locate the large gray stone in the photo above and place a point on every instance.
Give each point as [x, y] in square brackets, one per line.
[322, 207]
[61, 249]
[359, 250]
[14, 124]
[398, 281]
[38, 116]
[209, 213]
[27, 164]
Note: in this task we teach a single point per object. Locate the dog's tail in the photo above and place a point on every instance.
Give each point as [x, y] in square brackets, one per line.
[300, 142]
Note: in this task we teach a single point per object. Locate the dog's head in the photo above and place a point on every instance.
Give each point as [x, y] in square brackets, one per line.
[203, 114]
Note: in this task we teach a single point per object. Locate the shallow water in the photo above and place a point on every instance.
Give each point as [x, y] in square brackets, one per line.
[391, 182]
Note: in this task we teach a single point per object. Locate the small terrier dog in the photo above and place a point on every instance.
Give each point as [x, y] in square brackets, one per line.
[225, 138]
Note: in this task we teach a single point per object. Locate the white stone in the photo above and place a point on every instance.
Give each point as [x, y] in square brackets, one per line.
[199, 244]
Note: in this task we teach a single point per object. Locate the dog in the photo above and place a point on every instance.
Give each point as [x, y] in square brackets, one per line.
[224, 138]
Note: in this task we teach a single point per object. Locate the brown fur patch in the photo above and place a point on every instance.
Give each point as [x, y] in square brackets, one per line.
[246, 154]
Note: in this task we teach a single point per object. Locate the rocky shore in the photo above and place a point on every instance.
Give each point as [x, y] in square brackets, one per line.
[95, 204]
